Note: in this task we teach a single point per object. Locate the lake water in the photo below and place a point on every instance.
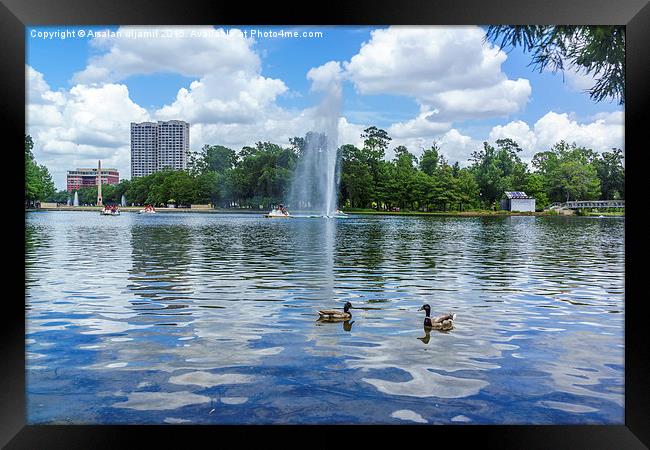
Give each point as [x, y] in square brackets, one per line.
[210, 319]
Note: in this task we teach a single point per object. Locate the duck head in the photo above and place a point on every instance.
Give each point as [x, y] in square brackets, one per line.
[426, 308]
[347, 306]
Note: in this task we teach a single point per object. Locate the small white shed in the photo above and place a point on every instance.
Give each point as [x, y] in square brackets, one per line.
[518, 201]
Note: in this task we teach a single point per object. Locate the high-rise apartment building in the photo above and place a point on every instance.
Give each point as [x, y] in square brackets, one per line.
[159, 145]
[144, 148]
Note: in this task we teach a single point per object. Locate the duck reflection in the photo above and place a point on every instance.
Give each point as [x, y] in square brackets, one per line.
[427, 335]
[347, 323]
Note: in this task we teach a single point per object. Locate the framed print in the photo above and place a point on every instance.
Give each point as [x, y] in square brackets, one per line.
[377, 219]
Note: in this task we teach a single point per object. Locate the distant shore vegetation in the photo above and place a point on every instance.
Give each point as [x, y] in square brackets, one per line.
[260, 176]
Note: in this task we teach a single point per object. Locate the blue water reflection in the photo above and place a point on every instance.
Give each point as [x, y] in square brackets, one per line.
[210, 318]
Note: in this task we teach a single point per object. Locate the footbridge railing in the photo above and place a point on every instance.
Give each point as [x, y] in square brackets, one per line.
[585, 204]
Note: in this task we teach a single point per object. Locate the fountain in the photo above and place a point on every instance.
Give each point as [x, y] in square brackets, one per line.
[76, 199]
[69, 201]
[123, 201]
[316, 179]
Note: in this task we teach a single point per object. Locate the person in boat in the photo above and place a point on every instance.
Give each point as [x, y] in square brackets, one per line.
[284, 211]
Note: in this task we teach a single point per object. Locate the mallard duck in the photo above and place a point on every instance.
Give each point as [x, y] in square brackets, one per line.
[444, 322]
[335, 315]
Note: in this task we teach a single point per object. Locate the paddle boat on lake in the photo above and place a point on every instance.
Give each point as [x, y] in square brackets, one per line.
[110, 211]
[279, 212]
[148, 209]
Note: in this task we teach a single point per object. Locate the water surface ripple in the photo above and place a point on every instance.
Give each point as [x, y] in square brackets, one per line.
[210, 318]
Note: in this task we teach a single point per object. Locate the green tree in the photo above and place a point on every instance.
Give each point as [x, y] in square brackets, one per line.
[429, 159]
[298, 145]
[596, 50]
[87, 195]
[467, 187]
[219, 158]
[59, 197]
[568, 172]
[578, 181]
[207, 187]
[375, 143]
[38, 181]
[610, 170]
[356, 178]
[536, 188]
[263, 174]
[403, 186]
[498, 169]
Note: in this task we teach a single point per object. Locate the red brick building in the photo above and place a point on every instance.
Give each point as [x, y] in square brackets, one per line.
[88, 177]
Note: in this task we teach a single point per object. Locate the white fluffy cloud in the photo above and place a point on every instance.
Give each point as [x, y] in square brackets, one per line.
[604, 132]
[454, 145]
[425, 124]
[579, 80]
[190, 51]
[323, 77]
[447, 68]
[243, 99]
[508, 96]
[449, 71]
[228, 89]
[350, 133]
[601, 133]
[519, 131]
[230, 102]
[74, 128]
[575, 76]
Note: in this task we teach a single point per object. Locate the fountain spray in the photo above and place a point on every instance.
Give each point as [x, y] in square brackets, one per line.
[315, 184]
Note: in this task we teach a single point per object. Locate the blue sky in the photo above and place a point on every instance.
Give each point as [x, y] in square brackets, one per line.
[279, 66]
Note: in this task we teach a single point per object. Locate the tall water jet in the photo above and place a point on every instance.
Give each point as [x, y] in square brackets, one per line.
[76, 199]
[315, 184]
[123, 201]
[69, 201]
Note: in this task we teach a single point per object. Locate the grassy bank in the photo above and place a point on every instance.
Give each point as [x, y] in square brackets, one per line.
[158, 210]
[475, 213]
[348, 211]
[601, 213]
[370, 212]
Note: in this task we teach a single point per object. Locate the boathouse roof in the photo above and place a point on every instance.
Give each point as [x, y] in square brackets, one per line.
[516, 194]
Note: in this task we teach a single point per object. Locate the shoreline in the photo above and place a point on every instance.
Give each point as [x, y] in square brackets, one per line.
[366, 212]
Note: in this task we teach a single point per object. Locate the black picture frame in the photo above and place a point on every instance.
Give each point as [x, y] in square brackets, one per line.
[15, 15]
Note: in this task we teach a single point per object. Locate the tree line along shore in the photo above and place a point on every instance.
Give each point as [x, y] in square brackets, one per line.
[260, 176]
